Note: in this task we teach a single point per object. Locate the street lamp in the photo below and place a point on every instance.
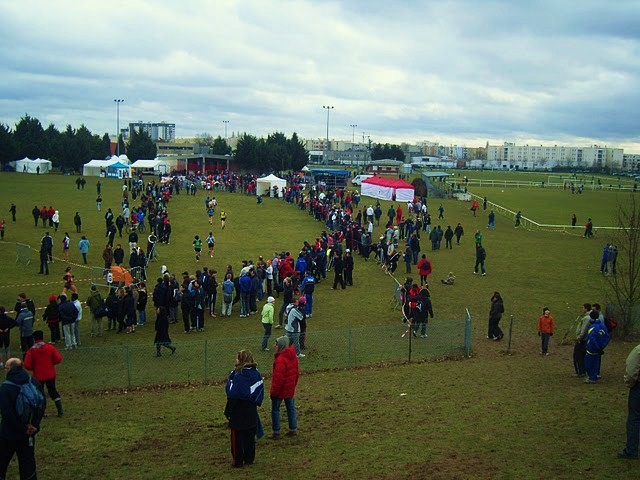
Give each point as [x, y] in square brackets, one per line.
[118, 102]
[353, 134]
[326, 148]
[226, 122]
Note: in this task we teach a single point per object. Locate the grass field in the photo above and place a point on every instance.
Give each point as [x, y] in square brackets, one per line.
[491, 416]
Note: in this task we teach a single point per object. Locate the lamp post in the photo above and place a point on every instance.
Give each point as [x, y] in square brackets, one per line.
[353, 134]
[226, 139]
[118, 102]
[326, 148]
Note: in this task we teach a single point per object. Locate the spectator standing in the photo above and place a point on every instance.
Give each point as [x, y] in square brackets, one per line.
[631, 380]
[51, 317]
[162, 338]
[546, 327]
[284, 380]
[95, 302]
[68, 315]
[597, 340]
[495, 314]
[267, 322]
[25, 321]
[6, 324]
[17, 433]
[83, 246]
[245, 393]
[481, 255]
[42, 359]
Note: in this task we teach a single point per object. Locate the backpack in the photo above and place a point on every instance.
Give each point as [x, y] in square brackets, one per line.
[610, 323]
[30, 402]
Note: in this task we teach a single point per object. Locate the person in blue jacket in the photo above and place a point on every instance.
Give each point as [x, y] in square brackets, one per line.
[301, 265]
[308, 286]
[245, 291]
[245, 393]
[597, 340]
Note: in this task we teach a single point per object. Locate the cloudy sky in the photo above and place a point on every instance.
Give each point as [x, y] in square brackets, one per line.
[464, 72]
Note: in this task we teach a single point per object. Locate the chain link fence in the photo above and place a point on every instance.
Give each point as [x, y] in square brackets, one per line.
[126, 366]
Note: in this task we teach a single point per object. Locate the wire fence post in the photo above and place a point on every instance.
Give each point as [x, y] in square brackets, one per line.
[410, 335]
[350, 348]
[467, 333]
[128, 360]
[510, 331]
[206, 360]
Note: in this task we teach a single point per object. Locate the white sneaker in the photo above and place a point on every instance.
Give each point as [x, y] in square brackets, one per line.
[301, 355]
[424, 335]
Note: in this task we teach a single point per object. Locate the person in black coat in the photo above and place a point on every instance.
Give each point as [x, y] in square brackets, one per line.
[495, 314]
[113, 305]
[16, 433]
[481, 255]
[338, 270]
[162, 338]
[129, 310]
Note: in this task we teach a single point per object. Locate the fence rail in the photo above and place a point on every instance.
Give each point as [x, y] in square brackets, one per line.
[126, 366]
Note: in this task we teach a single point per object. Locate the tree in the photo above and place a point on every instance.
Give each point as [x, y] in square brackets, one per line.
[382, 152]
[8, 150]
[123, 147]
[141, 146]
[247, 151]
[299, 154]
[29, 138]
[219, 146]
[624, 285]
[55, 146]
[105, 147]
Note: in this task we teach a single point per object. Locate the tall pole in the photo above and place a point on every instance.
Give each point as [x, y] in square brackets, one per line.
[118, 102]
[353, 134]
[326, 148]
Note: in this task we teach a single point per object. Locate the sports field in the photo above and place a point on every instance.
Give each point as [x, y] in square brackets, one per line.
[490, 416]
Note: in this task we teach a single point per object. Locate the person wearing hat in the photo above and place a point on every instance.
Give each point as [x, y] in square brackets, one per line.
[284, 380]
[267, 322]
[24, 321]
[295, 315]
[94, 302]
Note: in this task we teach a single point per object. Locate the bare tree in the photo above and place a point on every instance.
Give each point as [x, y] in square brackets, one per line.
[624, 281]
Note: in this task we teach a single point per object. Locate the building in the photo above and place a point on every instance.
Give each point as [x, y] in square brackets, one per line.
[162, 131]
[631, 162]
[539, 157]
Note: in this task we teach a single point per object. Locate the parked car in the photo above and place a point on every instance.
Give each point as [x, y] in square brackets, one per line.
[357, 180]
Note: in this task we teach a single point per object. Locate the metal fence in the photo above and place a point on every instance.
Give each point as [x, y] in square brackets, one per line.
[126, 366]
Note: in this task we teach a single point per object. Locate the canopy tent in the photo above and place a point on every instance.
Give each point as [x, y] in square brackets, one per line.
[109, 168]
[387, 189]
[265, 185]
[39, 165]
[330, 177]
[154, 165]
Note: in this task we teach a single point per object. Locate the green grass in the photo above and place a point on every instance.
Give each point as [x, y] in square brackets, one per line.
[493, 416]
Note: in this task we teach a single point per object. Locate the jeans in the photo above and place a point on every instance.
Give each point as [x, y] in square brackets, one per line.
[481, 264]
[226, 307]
[142, 317]
[24, 449]
[76, 331]
[633, 420]
[267, 334]
[294, 339]
[308, 307]
[545, 342]
[291, 414]
[244, 303]
[578, 358]
[414, 255]
[69, 335]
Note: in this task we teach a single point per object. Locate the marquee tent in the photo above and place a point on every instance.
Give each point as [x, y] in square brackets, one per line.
[110, 168]
[155, 165]
[387, 189]
[26, 165]
[265, 185]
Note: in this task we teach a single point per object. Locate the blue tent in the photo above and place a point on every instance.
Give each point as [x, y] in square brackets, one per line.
[118, 170]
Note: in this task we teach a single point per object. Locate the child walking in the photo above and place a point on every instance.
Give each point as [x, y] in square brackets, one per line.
[546, 327]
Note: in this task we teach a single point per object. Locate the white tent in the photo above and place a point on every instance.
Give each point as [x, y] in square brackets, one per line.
[101, 168]
[39, 165]
[156, 165]
[265, 185]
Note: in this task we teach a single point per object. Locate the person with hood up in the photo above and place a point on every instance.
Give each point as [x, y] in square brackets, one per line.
[284, 380]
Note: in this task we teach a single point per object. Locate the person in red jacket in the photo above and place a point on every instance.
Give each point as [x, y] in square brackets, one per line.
[424, 268]
[42, 358]
[284, 380]
[546, 327]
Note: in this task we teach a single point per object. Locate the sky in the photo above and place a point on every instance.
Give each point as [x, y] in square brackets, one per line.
[463, 72]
